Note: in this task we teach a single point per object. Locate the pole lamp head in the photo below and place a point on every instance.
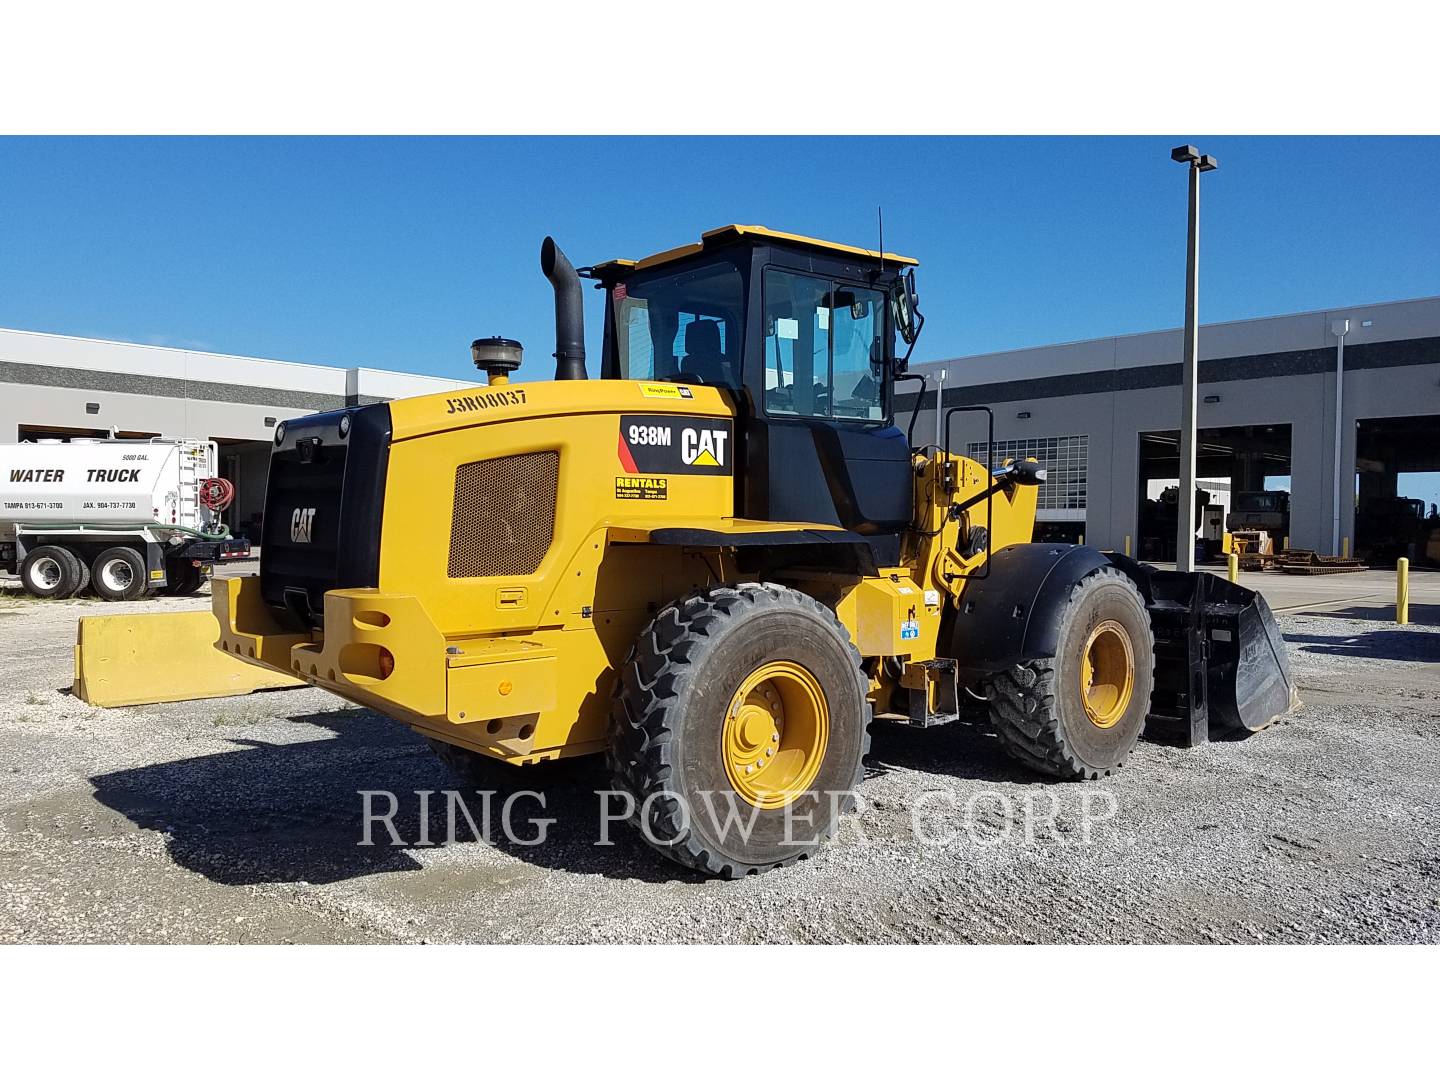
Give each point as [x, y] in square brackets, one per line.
[1188, 155]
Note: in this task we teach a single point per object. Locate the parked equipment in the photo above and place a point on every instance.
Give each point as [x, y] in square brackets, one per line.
[719, 562]
[125, 517]
[1312, 563]
[1259, 511]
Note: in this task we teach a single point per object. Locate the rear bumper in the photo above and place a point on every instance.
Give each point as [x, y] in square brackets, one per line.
[487, 694]
[211, 551]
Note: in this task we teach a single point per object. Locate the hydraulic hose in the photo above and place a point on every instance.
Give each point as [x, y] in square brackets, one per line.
[123, 526]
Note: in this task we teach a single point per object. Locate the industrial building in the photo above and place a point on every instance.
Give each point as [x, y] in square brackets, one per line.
[1104, 415]
[57, 387]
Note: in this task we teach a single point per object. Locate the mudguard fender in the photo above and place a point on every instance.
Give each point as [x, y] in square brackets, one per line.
[1012, 613]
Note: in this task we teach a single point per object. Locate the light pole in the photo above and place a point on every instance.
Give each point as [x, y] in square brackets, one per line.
[1185, 529]
[939, 407]
[1339, 327]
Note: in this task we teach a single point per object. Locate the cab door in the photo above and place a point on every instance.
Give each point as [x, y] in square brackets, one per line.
[821, 446]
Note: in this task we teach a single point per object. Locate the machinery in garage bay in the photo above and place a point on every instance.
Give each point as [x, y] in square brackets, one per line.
[719, 562]
[1257, 528]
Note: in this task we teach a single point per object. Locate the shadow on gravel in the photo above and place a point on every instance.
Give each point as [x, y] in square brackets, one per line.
[1420, 614]
[1397, 644]
[292, 812]
[967, 748]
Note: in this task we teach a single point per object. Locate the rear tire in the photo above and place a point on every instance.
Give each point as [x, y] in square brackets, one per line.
[51, 572]
[1078, 715]
[82, 567]
[183, 579]
[741, 708]
[119, 573]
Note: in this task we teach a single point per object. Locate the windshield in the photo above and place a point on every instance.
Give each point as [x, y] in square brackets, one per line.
[1259, 501]
[682, 327]
[824, 348]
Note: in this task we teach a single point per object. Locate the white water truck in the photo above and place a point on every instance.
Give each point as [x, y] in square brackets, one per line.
[124, 517]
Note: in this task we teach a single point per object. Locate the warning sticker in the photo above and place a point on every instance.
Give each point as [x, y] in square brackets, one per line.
[642, 487]
[668, 391]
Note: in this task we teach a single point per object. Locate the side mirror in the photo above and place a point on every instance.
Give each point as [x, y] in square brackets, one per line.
[905, 313]
[904, 305]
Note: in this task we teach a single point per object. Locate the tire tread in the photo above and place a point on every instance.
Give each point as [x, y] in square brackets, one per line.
[1023, 711]
[644, 711]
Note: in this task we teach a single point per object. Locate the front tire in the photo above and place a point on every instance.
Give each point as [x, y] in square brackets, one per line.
[50, 572]
[1078, 715]
[739, 728]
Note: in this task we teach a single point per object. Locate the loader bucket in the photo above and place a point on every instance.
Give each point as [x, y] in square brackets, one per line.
[166, 656]
[1220, 661]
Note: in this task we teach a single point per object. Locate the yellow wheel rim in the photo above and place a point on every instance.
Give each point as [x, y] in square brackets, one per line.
[776, 730]
[1107, 674]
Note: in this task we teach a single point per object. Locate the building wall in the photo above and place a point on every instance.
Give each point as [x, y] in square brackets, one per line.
[1265, 371]
[47, 379]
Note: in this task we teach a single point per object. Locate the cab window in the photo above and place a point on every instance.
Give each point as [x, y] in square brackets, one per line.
[824, 348]
[681, 327]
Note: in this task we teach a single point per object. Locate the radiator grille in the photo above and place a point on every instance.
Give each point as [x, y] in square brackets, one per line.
[504, 517]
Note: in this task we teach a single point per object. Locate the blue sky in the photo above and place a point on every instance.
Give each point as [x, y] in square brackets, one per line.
[395, 253]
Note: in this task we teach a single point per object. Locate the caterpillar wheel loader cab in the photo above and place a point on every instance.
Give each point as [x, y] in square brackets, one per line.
[720, 562]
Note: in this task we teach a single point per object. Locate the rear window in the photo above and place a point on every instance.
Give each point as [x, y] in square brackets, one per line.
[657, 336]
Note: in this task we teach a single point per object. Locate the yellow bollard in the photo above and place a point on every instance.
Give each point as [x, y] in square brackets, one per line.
[1285, 543]
[1127, 545]
[1345, 547]
[1402, 592]
[1082, 539]
[1234, 568]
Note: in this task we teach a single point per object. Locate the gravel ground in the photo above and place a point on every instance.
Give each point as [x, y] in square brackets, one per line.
[238, 820]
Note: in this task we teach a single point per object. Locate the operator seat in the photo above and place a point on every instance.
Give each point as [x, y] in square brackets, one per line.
[703, 358]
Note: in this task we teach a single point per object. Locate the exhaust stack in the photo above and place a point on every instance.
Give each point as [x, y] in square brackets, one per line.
[569, 311]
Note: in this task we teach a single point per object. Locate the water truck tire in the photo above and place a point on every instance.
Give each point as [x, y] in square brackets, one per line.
[118, 573]
[51, 573]
[183, 578]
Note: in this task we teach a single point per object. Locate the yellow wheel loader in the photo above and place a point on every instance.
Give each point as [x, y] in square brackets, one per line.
[720, 562]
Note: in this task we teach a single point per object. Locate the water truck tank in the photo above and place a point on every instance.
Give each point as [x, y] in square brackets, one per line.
[106, 482]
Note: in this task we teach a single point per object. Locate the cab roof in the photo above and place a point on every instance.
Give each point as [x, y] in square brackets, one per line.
[729, 234]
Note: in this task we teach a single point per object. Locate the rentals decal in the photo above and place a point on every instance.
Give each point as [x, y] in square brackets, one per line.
[649, 488]
[675, 444]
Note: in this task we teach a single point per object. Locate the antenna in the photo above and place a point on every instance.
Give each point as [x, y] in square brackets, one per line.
[880, 216]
